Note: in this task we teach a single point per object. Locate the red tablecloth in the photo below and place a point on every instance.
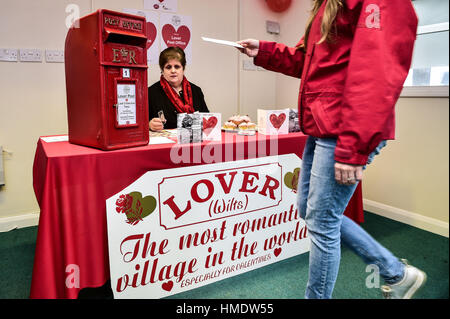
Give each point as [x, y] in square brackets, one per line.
[72, 183]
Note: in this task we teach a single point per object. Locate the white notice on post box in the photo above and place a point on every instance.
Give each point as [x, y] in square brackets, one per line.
[126, 104]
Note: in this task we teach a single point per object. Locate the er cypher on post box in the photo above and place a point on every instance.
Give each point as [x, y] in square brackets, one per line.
[106, 81]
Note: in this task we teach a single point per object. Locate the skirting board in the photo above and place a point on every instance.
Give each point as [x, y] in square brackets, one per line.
[22, 221]
[426, 223]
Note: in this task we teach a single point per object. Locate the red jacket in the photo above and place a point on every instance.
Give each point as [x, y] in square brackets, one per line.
[349, 88]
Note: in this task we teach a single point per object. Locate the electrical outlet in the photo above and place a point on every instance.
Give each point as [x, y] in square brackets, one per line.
[273, 27]
[30, 55]
[8, 55]
[54, 56]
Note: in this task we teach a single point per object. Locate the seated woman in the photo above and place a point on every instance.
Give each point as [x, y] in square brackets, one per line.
[173, 94]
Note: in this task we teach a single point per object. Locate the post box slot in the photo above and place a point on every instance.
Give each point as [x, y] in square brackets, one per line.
[123, 37]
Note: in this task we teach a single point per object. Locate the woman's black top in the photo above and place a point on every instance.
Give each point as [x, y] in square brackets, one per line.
[158, 101]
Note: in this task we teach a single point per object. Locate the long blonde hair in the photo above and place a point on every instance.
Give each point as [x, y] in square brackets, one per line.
[331, 10]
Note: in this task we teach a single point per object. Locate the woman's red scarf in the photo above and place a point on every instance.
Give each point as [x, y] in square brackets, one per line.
[188, 106]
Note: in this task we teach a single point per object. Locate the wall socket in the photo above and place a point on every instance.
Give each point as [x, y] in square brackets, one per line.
[8, 55]
[54, 56]
[273, 27]
[30, 55]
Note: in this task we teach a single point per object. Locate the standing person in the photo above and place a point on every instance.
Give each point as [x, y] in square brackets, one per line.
[352, 61]
[173, 93]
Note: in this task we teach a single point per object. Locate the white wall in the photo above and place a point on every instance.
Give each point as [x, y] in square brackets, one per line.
[33, 95]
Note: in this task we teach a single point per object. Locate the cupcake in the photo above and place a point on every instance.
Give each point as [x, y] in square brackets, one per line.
[251, 126]
[236, 120]
[243, 126]
[239, 119]
[246, 118]
[230, 125]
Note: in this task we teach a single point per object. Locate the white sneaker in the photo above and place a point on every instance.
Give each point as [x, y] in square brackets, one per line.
[413, 279]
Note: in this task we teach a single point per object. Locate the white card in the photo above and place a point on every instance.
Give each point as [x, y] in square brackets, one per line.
[224, 42]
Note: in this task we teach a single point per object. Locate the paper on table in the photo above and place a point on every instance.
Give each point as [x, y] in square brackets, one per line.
[230, 43]
[160, 140]
[172, 132]
[59, 138]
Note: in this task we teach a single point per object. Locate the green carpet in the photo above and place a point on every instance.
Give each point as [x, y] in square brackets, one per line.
[283, 280]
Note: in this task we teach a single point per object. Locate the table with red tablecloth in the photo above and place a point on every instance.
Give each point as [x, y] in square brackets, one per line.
[72, 183]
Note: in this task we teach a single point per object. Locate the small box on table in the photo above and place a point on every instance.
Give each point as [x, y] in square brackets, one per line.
[189, 128]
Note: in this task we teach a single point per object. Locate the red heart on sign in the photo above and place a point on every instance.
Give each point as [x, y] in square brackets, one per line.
[277, 121]
[179, 38]
[209, 125]
[277, 252]
[151, 34]
[167, 286]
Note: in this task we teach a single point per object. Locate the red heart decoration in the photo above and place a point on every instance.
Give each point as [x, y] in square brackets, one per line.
[156, 6]
[176, 38]
[151, 34]
[277, 121]
[167, 286]
[279, 5]
[209, 125]
[277, 252]
[161, 0]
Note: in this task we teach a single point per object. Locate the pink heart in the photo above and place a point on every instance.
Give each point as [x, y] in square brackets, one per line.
[277, 121]
[167, 286]
[151, 34]
[277, 252]
[176, 38]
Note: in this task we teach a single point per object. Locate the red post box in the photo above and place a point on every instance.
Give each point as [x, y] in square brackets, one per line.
[106, 81]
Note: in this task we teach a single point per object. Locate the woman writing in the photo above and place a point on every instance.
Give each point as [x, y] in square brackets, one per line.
[173, 93]
[353, 61]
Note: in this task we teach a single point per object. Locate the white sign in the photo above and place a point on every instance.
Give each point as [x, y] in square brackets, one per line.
[152, 33]
[179, 229]
[126, 104]
[176, 31]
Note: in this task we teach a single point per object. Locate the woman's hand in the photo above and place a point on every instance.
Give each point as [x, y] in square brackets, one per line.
[251, 47]
[347, 174]
[156, 124]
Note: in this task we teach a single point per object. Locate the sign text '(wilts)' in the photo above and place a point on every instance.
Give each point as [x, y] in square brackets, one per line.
[219, 194]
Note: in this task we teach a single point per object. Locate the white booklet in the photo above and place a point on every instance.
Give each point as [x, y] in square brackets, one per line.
[224, 42]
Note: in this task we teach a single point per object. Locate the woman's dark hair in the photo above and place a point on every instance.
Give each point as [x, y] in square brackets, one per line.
[172, 53]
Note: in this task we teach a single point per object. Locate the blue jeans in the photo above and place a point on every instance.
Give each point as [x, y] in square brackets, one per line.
[322, 202]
